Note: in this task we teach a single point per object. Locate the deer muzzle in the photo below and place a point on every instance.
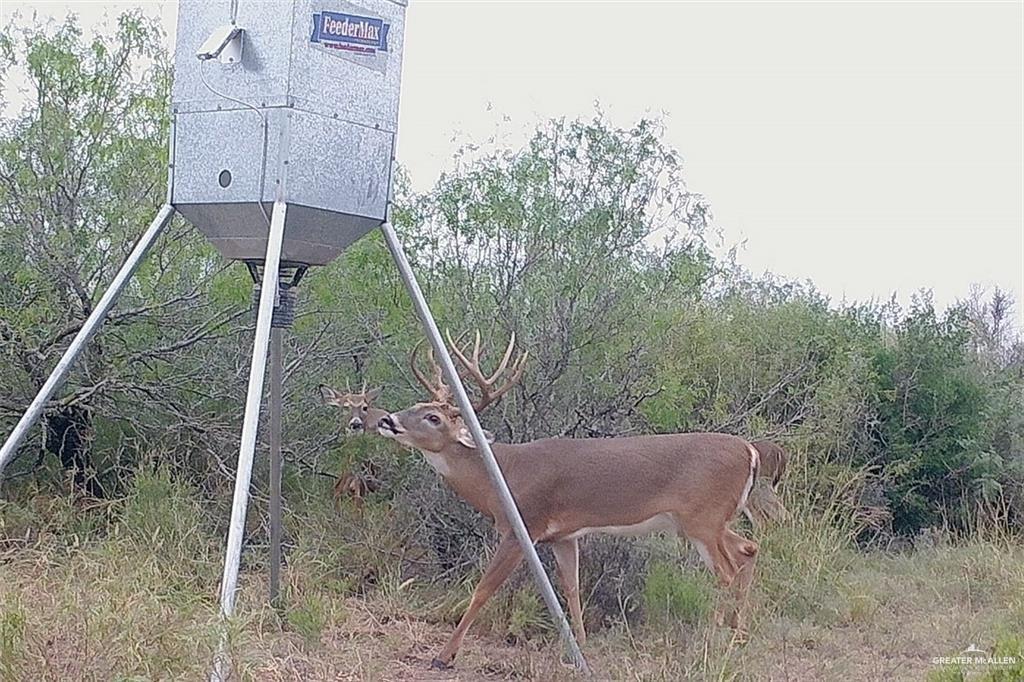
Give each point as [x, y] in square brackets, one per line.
[389, 426]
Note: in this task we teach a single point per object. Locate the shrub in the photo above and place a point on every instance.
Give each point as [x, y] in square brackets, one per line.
[672, 596]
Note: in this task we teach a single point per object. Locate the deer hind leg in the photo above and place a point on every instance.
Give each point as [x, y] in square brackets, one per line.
[743, 553]
[706, 540]
[717, 561]
[505, 559]
[567, 559]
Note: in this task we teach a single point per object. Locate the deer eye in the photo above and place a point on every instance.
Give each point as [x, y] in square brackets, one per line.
[365, 408]
[434, 419]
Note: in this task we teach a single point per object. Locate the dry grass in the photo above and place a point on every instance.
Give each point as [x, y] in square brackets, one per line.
[117, 602]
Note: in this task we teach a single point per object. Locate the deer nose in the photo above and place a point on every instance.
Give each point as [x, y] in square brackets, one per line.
[387, 423]
[356, 424]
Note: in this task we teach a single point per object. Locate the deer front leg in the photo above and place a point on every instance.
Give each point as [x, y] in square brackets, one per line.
[567, 558]
[505, 559]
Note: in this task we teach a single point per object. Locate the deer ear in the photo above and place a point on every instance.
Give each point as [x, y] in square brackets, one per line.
[330, 396]
[373, 395]
[466, 437]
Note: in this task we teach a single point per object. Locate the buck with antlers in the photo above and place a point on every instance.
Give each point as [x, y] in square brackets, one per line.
[362, 413]
[363, 417]
[691, 485]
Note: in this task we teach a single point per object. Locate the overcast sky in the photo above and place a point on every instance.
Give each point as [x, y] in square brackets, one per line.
[871, 147]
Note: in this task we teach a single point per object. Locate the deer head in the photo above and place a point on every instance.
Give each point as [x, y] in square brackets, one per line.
[434, 425]
[363, 416]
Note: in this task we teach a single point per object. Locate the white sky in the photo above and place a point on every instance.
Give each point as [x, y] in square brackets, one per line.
[871, 147]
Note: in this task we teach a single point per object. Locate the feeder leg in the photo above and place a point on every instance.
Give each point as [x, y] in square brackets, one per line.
[85, 334]
[250, 426]
[276, 371]
[469, 415]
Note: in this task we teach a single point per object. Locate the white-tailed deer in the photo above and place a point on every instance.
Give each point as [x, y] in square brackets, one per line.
[691, 485]
[362, 413]
[363, 417]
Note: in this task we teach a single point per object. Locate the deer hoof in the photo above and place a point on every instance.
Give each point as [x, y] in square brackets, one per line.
[438, 664]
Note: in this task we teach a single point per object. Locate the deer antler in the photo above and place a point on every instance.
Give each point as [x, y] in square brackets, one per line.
[488, 394]
[437, 389]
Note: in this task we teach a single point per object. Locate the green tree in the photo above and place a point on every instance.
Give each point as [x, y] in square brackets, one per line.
[931, 412]
[82, 171]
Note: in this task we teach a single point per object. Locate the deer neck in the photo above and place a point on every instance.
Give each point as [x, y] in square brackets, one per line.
[464, 472]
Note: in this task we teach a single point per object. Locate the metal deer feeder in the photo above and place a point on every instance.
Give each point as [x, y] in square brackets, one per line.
[285, 117]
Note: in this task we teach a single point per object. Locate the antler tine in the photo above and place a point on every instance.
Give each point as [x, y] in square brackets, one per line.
[460, 366]
[517, 374]
[504, 360]
[472, 367]
[433, 390]
[438, 372]
[438, 389]
[476, 349]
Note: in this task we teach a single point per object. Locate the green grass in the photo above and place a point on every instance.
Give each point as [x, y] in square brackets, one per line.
[307, 615]
[673, 596]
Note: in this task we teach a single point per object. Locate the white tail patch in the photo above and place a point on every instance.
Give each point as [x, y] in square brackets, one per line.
[754, 461]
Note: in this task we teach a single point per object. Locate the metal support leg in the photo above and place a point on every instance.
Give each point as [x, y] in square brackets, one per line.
[85, 334]
[469, 415]
[250, 425]
[276, 372]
